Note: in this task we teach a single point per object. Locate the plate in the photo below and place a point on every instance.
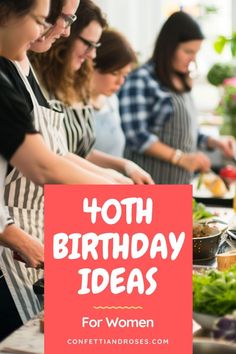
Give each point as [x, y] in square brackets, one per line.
[205, 196]
[204, 192]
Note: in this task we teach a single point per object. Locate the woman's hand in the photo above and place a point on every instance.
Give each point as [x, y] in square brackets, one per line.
[117, 177]
[137, 174]
[33, 253]
[195, 162]
[226, 144]
[25, 247]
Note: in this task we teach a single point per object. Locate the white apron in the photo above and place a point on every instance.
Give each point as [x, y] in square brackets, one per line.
[25, 202]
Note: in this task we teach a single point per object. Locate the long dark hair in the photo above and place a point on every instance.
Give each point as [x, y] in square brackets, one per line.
[114, 53]
[15, 8]
[55, 10]
[53, 67]
[179, 28]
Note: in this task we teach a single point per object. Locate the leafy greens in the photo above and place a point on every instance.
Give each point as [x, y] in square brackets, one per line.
[214, 292]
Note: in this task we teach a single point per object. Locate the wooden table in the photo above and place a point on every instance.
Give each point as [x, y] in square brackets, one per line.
[26, 340]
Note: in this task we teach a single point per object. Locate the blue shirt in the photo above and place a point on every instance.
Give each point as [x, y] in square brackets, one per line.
[109, 135]
[145, 106]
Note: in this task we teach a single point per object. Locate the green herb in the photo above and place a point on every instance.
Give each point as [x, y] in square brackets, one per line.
[214, 292]
[200, 212]
[200, 180]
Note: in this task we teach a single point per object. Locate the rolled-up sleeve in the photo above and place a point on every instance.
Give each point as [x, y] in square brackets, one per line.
[144, 109]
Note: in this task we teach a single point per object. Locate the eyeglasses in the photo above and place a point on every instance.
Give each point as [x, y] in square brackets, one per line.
[41, 22]
[90, 45]
[69, 19]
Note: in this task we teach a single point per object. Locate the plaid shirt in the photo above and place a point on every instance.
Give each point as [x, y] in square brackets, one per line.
[145, 106]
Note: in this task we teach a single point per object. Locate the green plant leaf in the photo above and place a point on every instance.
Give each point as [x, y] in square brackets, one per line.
[219, 44]
[233, 45]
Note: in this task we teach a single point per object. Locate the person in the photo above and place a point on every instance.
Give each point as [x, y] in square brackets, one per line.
[114, 60]
[64, 72]
[37, 163]
[20, 24]
[157, 112]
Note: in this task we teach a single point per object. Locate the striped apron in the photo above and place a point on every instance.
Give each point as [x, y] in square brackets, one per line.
[78, 128]
[25, 202]
[3, 170]
[179, 132]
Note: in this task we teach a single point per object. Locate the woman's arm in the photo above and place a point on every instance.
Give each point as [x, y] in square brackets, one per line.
[114, 176]
[144, 109]
[42, 166]
[226, 144]
[189, 161]
[127, 167]
[29, 248]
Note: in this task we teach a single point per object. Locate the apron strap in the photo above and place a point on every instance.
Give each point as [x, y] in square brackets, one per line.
[26, 82]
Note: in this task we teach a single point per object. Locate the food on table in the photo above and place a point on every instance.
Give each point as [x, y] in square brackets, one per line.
[225, 328]
[214, 184]
[200, 212]
[214, 292]
[207, 236]
[203, 230]
[228, 173]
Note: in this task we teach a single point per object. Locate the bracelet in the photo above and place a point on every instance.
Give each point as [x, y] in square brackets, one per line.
[176, 157]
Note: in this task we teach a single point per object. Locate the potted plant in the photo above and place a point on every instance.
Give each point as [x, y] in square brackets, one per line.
[221, 71]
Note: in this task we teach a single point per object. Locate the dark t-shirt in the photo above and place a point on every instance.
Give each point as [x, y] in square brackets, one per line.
[9, 69]
[37, 90]
[15, 118]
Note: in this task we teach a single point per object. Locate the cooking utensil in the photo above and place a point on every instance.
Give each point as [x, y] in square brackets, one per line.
[232, 233]
[206, 247]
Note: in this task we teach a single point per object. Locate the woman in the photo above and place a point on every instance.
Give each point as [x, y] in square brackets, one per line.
[157, 112]
[20, 24]
[114, 60]
[64, 72]
[37, 162]
[14, 15]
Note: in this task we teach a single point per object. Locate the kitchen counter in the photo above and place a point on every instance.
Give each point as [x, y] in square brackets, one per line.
[26, 340]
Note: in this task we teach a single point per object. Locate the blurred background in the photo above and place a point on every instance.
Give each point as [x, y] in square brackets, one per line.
[141, 20]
